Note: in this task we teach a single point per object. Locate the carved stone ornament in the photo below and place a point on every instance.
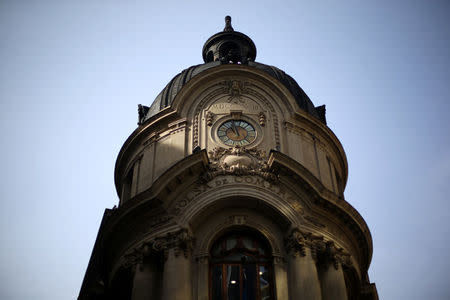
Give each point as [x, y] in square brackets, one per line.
[239, 161]
[297, 242]
[262, 119]
[181, 241]
[209, 118]
[328, 254]
[195, 125]
[325, 252]
[235, 90]
[136, 255]
[142, 113]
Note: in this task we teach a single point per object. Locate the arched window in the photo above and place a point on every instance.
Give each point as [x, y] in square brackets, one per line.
[241, 268]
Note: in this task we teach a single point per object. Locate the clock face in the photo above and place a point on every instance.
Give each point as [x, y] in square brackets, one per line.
[236, 133]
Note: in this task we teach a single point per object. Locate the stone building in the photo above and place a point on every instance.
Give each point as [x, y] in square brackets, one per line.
[231, 187]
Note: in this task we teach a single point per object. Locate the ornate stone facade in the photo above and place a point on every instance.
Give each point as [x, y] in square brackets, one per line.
[231, 148]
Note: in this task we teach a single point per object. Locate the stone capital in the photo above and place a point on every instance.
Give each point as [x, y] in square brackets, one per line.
[329, 253]
[278, 260]
[180, 241]
[298, 241]
[136, 255]
[202, 258]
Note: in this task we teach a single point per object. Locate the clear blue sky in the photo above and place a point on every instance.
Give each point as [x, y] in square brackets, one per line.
[73, 72]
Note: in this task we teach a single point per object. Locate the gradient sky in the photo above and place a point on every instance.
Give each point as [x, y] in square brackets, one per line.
[73, 72]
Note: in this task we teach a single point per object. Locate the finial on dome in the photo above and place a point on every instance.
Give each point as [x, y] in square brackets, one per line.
[228, 26]
[229, 46]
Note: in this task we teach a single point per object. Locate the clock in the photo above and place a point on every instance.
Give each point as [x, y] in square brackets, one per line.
[236, 133]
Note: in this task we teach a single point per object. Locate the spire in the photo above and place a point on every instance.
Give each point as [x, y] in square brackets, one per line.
[229, 46]
[228, 26]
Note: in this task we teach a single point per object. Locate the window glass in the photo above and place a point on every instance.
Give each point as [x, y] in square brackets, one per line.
[240, 268]
[217, 282]
[233, 282]
[264, 286]
[249, 282]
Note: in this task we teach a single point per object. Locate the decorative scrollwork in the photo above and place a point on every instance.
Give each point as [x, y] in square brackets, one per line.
[329, 253]
[325, 252]
[239, 161]
[297, 242]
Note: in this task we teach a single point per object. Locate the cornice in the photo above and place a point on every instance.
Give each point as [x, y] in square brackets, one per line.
[292, 171]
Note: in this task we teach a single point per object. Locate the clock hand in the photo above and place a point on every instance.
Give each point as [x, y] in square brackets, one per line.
[236, 132]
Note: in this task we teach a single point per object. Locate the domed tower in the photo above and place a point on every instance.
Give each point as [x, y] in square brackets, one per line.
[231, 187]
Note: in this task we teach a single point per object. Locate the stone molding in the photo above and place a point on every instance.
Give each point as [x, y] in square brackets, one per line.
[205, 243]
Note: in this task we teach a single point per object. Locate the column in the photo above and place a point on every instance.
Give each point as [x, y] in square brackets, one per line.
[333, 283]
[303, 277]
[177, 282]
[332, 279]
[144, 282]
[145, 272]
[280, 278]
[203, 277]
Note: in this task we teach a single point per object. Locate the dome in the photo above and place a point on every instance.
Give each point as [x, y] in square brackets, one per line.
[230, 47]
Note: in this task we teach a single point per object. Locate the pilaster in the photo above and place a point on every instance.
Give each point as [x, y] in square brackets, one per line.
[280, 277]
[203, 277]
[145, 282]
[332, 279]
[303, 277]
[177, 282]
